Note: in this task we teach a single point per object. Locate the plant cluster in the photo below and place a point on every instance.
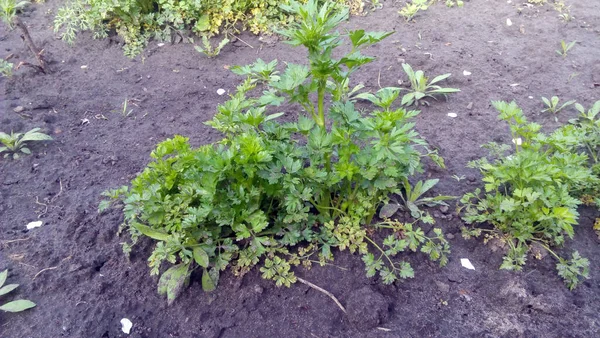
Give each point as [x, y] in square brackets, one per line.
[285, 194]
[8, 10]
[16, 305]
[531, 196]
[137, 21]
[14, 143]
[6, 68]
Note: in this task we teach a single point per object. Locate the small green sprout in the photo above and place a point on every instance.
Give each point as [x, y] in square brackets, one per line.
[565, 48]
[15, 143]
[16, 305]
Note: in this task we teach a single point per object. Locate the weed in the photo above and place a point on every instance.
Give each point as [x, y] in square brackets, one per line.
[420, 88]
[8, 10]
[15, 143]
[208, 50]
[566, 47]
[6, 68]
[15, 305]
[314, 184]
[411, 9]
[552, 105]
[529, 195]
[452, 3]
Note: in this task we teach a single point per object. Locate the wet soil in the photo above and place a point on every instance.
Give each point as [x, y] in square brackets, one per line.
[73, 267]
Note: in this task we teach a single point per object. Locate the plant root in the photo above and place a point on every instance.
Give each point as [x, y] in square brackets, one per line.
[323, 291]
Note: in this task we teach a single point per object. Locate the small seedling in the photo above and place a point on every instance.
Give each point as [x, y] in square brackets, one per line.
[16, 305]
[15, 143]
[208, 49]
[411, 9]
[420, 88]
[565, 48]
[8, 10]
[412, 199]
[552, 105]
[6, 68]
[452, 3]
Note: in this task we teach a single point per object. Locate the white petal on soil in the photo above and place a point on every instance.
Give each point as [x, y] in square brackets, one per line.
[33, 225]
[466, 263]
[160, 44]
[518, 141]
[126, 325]
[452, 114]
[514, 85]
[531, 97]
[508, 22]
[466, 73]
[84, 67]
[221, 91]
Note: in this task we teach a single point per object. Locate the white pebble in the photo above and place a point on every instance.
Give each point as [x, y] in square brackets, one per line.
[221, 91]
[452, 114]
[466, 73]
[33, 225]
[508, 22]
[84, 67]
[466, 263]
[126, 325]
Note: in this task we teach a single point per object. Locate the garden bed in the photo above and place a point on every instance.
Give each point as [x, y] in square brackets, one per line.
[73, 266]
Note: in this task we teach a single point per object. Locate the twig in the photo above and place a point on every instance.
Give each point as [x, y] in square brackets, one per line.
[29, 42]
[323, 291]
[15, 240]
[50, 268]
[40, 203]
[244, 42]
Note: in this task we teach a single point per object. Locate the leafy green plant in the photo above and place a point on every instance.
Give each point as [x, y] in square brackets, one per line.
[9, 8]
[15, 305]
[553, 107]
[313, 184]
[412, 199]
[529, 195]
[15, 143]
[420, 88]
[137, 21]
[452, 3]
[411, 9]
[208, 50]
[565, 48]
[6, 68]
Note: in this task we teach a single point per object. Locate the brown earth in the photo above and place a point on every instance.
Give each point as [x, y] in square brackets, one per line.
[89, 285]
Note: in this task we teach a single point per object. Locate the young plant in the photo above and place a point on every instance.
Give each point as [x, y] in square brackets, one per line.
[208, 49]
[565, 48]
[412, 199]
[411, 9]
[314, 184]
[15, 305]
[420, 88]
[6, 68]
[15, 143]
[452, 3]
[528, 195]
[553, 107]
[8, 10]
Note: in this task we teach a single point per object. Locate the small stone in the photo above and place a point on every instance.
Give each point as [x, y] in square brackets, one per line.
[466, 73]
[84, 67]
[470, 105]
[258, 289]
[453, 115]
[508, 22]
[18, 109]
[221, 91]
[444, 209]
[437, 214]
[450, 236]
[442, 286]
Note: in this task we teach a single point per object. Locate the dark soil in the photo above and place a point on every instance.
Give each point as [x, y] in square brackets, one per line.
[89, 285]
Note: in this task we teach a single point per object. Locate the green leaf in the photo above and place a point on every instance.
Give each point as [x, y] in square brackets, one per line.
[208, 283]
[152, 233]
[3, 276]
[17, 305]
[173, 281]
[201, 257]
[8, 288]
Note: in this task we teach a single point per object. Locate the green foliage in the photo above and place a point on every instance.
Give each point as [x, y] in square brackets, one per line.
[9, 8]
[136, 21]
[552, 104]
[452, 3]
[420, 88]
[208, 50]
[15, 305]
[411, 9]
[15, 143]
[313, 184]
[530, 195]
[6, 68]
[565, 48]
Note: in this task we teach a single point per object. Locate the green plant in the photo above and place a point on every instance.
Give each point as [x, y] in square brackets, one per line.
[420, 88]
[15, 143]
[452, 3]
[565, 47]
[9, 8]
[313, 184]
[552, 105]
[208, 49]
[15, 305]
[137, 21]
[411, 9]
[6, 68]
[529, 195]
[412, 199]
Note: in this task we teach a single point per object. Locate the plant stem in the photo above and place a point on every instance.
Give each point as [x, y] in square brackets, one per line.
[29, 42]
[381, 250]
